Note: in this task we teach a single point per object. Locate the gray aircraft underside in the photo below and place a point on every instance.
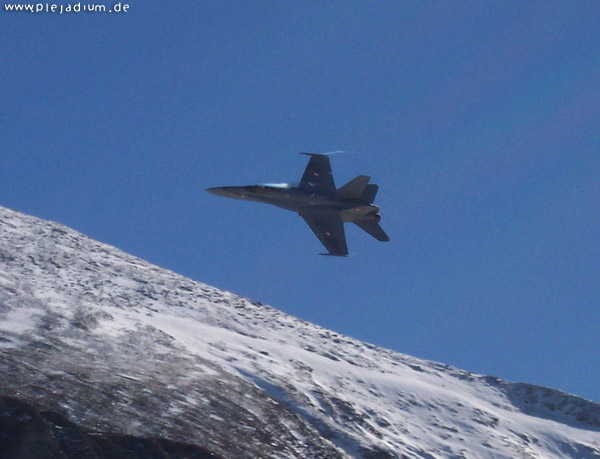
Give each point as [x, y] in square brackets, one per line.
[319, 203]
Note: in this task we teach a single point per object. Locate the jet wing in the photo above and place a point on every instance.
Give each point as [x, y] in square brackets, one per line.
[317, 175]
[329, 228]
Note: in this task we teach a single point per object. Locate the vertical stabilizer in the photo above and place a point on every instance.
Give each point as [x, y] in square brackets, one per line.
[370, 193]
[355, 188]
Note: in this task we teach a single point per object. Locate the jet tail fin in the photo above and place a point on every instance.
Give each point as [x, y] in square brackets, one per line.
[355, 188]
[373, 228]
[370, 193]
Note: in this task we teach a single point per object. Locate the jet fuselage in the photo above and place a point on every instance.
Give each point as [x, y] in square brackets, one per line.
[299, 200]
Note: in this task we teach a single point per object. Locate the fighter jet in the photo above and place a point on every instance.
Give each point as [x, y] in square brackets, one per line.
[323, 207]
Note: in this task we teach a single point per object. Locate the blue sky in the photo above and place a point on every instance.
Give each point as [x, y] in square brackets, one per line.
[480, 121]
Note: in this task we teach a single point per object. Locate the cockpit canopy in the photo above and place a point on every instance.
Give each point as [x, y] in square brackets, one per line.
[276, 185]
[264, 187]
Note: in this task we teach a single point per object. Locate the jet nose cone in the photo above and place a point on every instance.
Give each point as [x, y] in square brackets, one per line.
[228, 191]
[218, 190]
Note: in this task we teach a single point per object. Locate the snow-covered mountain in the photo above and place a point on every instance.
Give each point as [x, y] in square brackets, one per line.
[114, 344]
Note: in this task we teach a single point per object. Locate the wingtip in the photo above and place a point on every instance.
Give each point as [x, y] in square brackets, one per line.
[327, 153]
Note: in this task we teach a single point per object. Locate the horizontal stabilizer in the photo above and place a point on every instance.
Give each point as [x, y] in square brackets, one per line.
[373, 229]
[354, 189]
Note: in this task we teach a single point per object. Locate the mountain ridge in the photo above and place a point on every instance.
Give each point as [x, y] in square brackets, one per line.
[120, 345]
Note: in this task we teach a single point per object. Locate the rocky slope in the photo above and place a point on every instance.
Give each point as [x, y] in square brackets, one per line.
[117, 347]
